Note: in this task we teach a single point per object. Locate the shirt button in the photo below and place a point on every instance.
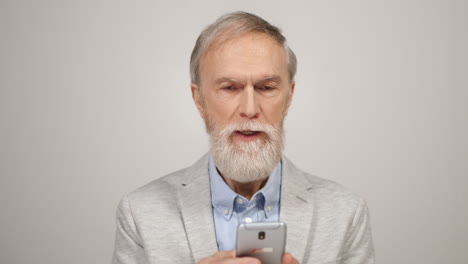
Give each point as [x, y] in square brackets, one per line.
[248, 220]
[239, 200]
[226, 211]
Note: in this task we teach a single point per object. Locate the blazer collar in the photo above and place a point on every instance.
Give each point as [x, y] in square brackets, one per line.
[296, 208]
[196, 210]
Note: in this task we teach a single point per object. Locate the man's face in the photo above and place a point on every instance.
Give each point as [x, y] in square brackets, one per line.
[245, 79]
[245, 96]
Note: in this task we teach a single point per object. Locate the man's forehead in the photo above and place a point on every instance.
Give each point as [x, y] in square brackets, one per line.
[236, 39]
[250, 57]
[248, 40]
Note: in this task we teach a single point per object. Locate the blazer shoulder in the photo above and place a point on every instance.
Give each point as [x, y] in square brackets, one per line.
[166, 187]
[330, 186]
[331, 192]
[326, 192]
[158, 188]
[319, 186]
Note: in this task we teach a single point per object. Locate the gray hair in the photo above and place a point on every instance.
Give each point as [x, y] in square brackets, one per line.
[229, 26]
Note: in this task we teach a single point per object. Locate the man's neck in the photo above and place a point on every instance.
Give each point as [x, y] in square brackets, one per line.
[247, 189]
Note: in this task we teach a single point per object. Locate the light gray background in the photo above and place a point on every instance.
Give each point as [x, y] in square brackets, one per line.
[95, 102]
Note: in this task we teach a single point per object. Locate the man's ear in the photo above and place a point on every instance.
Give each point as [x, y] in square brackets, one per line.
[291, 93]
[196, 99]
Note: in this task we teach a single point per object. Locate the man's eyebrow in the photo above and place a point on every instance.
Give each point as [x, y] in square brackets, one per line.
[275, 78]
[225, 79]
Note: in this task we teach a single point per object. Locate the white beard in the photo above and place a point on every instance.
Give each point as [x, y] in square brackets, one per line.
[246, 161]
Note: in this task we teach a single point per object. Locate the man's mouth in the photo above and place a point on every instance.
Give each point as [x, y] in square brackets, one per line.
[248, 133]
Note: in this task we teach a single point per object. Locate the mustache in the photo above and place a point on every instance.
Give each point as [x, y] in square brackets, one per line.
[249, 125]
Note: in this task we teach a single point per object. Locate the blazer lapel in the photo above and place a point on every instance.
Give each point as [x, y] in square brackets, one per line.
[296, 208]
[196, 210]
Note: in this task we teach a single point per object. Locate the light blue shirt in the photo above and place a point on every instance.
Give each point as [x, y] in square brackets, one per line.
[230, 209]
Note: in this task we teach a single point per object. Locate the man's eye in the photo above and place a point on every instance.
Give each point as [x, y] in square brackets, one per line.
[266, 88]
[229, 88]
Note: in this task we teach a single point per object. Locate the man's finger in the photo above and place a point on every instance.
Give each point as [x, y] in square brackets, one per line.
[228, 257]
[289, 259]
[243, 260]
[225, 254]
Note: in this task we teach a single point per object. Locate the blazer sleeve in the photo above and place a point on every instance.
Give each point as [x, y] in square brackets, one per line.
[128, 245]
[358, 248]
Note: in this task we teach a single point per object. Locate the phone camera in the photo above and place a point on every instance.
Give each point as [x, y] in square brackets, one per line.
[261, 235]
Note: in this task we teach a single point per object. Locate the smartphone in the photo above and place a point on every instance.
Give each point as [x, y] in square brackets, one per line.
[263, 240]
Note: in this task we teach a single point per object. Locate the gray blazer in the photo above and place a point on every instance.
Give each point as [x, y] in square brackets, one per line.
[170, 220]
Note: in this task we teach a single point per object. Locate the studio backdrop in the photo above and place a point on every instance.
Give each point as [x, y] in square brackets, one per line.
[95, 101]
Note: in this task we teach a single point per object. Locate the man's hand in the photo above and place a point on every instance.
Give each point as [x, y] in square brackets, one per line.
[289, 259]
[229, 257]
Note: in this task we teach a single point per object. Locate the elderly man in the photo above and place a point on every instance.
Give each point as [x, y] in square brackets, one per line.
[242, 74]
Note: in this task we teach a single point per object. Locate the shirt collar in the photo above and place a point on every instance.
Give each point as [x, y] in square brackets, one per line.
[223, 197]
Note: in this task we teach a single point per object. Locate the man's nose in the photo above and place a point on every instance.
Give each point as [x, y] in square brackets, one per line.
[249, 103]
